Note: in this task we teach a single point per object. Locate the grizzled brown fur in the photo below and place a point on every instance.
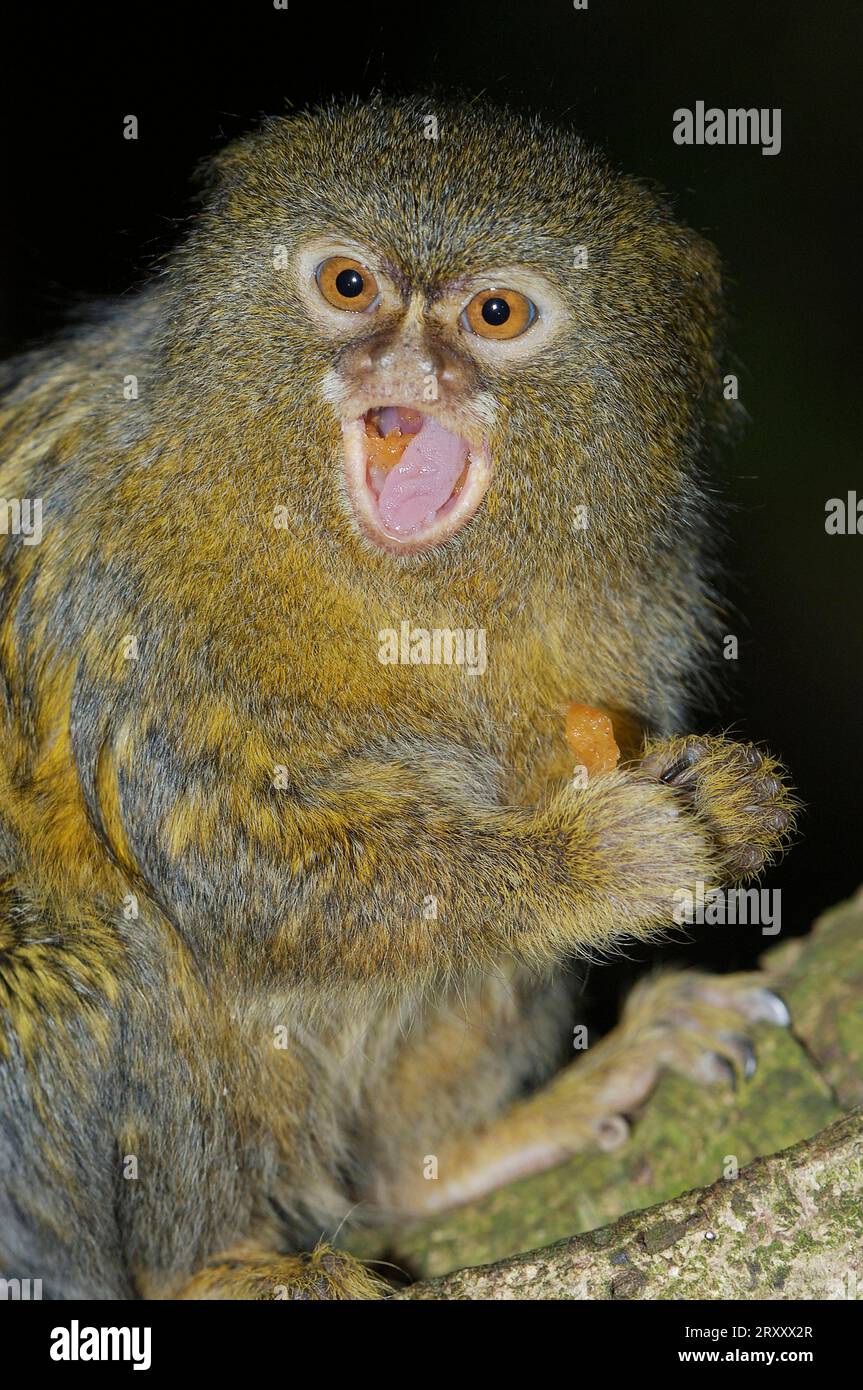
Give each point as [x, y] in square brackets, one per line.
[225, 974]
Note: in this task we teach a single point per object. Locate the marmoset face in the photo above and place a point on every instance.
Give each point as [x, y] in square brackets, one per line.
[408, 384]
[466, 338]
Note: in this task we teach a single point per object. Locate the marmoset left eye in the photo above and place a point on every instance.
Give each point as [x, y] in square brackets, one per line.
[499, 314]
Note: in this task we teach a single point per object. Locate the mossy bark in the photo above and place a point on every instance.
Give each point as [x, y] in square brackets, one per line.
[687, 1136]
[786, 1227]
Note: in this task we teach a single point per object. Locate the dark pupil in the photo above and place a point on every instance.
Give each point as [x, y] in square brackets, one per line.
[495, 312]
[349, 283]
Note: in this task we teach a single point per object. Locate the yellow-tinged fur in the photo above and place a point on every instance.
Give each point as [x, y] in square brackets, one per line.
[225, 1010]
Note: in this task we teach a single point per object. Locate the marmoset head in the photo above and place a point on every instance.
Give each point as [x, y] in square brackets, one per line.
[441, 329]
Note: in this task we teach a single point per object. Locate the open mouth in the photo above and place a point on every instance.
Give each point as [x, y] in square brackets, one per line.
[412, 482]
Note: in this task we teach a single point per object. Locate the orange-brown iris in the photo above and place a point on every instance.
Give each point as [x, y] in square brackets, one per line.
[346, 284]
[499, 314]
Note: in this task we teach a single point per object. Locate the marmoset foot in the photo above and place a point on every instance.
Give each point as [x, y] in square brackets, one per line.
[696, 1024]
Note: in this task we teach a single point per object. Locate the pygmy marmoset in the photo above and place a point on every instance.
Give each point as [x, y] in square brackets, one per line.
[283, 914]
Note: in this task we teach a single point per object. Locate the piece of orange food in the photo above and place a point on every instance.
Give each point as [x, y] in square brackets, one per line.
[590, 735]
[385, 451]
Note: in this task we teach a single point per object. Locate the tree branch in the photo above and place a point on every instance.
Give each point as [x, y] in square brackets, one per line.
[789, 1226]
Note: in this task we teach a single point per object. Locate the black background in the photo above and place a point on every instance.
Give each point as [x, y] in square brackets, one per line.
[86, 212]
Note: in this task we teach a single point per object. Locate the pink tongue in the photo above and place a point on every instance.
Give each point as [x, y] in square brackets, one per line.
[423, 479]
